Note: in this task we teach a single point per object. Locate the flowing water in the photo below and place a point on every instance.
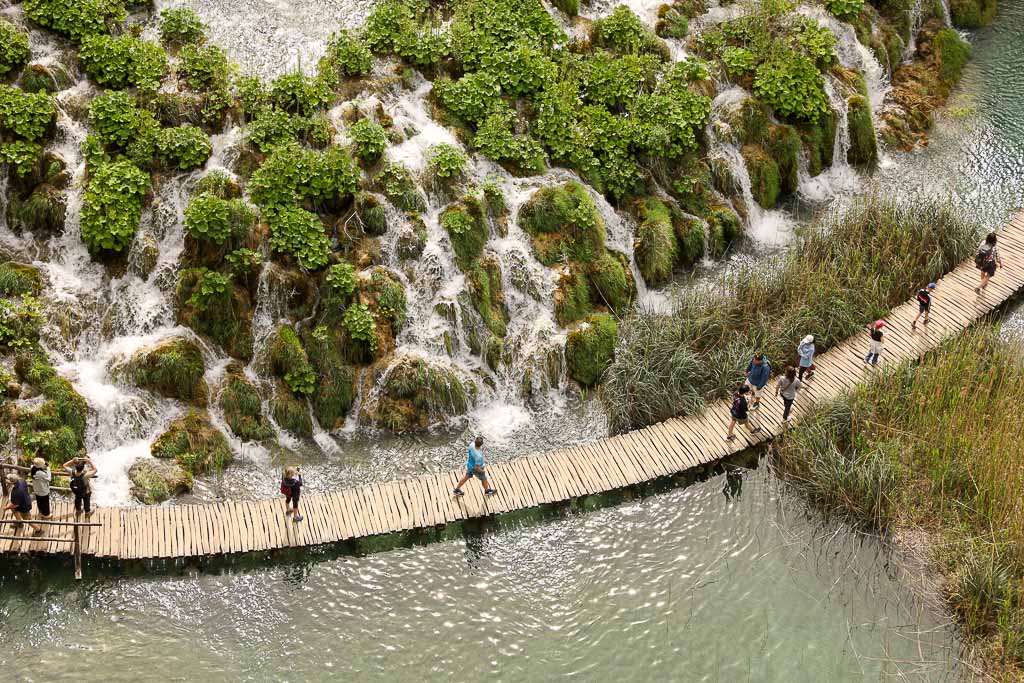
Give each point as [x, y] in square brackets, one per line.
[689, 584]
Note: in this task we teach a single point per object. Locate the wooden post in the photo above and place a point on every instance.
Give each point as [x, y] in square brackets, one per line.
[78, 556]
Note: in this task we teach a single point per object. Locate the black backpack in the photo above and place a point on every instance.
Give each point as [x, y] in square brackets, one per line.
[737, 405]
[78, 485]
[982, 257]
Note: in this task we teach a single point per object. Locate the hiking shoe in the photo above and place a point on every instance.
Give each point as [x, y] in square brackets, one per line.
[977, 290]
[298, 518]
[490, 492]
[755, 430]
[458, 492]
[731, 438]
[925, 321]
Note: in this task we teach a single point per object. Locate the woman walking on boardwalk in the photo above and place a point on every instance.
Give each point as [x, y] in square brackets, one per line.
[805, 350]
[875, 347]
[987, 260]
[291, 487]
[787, 387]
[41, 476]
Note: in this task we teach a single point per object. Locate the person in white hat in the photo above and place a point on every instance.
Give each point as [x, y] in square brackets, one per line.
[806, 352]
[41, 476]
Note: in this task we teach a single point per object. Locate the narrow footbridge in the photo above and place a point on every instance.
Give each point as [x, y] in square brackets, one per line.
[426, 502]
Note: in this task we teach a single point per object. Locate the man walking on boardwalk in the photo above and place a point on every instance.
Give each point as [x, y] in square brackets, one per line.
[924, 304]
[758, 372]
[475, 468]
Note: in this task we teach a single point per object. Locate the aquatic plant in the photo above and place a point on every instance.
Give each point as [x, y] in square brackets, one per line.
[17, 279]
[205, 67]
[564, 223]
[347, 55]
[115, 118]
[447, 161]
[123, 61]
[288, 360]
[76, 20]
[299, 233]
[207, 217]
[360, 327]
[26, 115]
[112, 206]
[416, 392]
[844, 9]
[341, 277]
[14, 49]
[221, 311]
[370, 139]
[180, 25]
[467, 229]
[184, 147]
[173, 368]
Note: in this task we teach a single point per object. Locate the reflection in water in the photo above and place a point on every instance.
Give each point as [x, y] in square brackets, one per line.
[684, 585]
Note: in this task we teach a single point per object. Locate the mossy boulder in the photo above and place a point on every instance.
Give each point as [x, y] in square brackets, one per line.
[564, 224]
[819, 139]
[55, 428]
[155, 481]
[242, 406]
[655, 247]
[572, 296]
[487, 293]
[765, 181]
[335, 391]
[42, 212]
[223, 316]
[17, 279]
[783, 144]
[467, 229]
[863, 145]
[972, 13]
[290, 412]
[288, 361]
[611, 282]
[724, 228]
[590, 348]
[689, 239]
[172, 368]
[398, 185]
[194, 443]
[371, 214]
[417, 393]
[952, 53]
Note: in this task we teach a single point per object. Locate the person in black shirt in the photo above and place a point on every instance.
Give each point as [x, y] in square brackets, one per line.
[924, 304]
[739, 412]
[875, 347]
[21, 501]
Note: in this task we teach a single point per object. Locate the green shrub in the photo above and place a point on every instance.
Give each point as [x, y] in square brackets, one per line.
[447, 161]
[179, 26]
[341, 277]
[173, 369]
[953, 52]
[271, 127]
[209, 305]
[194, 443]
[211, 287]
[590, 348]
[467, 229]
[299, 233]
[206, 67]
[672, 23]
[26, 115]
[570, 7]
[112, 206]
[390, 296]
[564, 224]
[219, 184]
[185, 147]
[20, 322]
[844, 9]
[244, 262]
[360, 327]
[75, 20]
[43, 212]
[519, 152]
[792, 85]
[472, 98]
[123, 61]
[347, 55]
[243, 408]
[385, 25]
[724, 228]
[623, 32]
[299, 94]
[370, 139]
[115, 118]
[17, 279]
[291, 173]
[416, 393]
[738, 61]
[336, 380]
[207, 217]
[14, 49]
[21, 156]
[290, 413]
[288, 361]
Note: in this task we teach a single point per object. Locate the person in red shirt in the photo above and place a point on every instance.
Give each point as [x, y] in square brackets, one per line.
[924, 304]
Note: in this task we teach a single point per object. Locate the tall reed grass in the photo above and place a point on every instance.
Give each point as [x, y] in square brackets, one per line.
[937, 445]
[850, 267]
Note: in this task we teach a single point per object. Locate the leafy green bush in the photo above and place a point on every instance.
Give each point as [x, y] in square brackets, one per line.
[386, 23]
[185, 147]
[398, 185]
[112, 206]
[75, 20]
[844, 9]
[347, 55]
[624, 33]
[292, 173]
[123, 61]
[370, 139]
[472, 98]
[447, 161]
[288, 360]
[792, 85]
[20, 155]
[300, 233]
[342, 278]
[495, 138]
[564, 223]
[590, 348]
[20, 322]
[210, 287]
[244, 262]
[210, 218]
[179, 26]
[271, 127]
[299, 94]
[26, 115]
[360, 327]
[464, 222]
[115, 118]
[14, 50]
[738, 61]
[206, 67]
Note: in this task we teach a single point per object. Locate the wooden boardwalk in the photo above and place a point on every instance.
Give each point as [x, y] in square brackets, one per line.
[677, 445]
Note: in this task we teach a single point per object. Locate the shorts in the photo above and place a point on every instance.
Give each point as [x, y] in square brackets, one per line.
[294, 500]
[479, 475]
[43, 505]
[754, 391]
[989, 268]
[740, 420]
[923, 307]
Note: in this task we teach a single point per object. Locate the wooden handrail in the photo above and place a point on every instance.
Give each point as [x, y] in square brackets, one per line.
[33, 539]
[47, 522]
[55, 473]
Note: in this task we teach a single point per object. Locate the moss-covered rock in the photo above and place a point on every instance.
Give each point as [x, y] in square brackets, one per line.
[173, 368]
[290, 412]
[371, 214]
[783, 144]
[42, 212]
[288, 360]
[724, 228]
[590, 348]
[155, 481]
[223, 317]
[466, 225]
[17, 279]
[689, 239]
[417, 393]
[242, 406]
[399, 186]
[572, 297]
[487, 293]
[952, 53]
[655, 247]
[55, 429]
[765, 182]
[863, 145]
[611, 282]
[194, 443]
[412, 240]
[972, 13]
[819, 139]
[564, 224]
[336, 378]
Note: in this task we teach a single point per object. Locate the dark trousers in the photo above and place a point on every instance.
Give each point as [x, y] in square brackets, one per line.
[788, 403]
[802, 371]
[43, 505]
[85, 498]
[871, 358]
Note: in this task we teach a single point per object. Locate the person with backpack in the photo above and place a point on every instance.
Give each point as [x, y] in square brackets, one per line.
[739, 413]
[987, 260]
[805, 350]
[787, 387]
[924, 304]
[759, 371]
[81, 471]
[875, 347]
[291, 487]
[475, 468]
[41, 476]
[20, 504]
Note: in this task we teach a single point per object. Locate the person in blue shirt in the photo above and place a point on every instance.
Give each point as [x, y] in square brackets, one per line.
[759, 371]
[475, 468]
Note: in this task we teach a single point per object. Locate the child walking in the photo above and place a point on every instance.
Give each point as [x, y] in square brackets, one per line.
[740, 412]
[924, 304]
[987, 260]
[875, 347]
[291, 487]
[787, 387]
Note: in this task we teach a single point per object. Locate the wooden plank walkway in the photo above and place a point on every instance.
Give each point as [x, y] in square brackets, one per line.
[676, 445]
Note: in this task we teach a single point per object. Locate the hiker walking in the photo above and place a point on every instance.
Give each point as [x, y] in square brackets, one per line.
[924, 304]
[41, 476]
[291, 487]
[787, 387]
[987, 260]
[805, 350]
[20, 503]
[475, 468]
[875, 347]
[739, 412]
[81, 471]
[758, 372]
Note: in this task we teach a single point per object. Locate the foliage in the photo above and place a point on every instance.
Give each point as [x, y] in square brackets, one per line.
[360, 327]
[792, 85]
[467, 230]
[17, 279]
[496, 139]
[863, 143]
[612, 283]
[270, 127]
[194, 443]
[738, 61]
[179, 26]
[398, 185]
[291, 173]
[289, 361]
[342, 278]
[391, 302]
[348, 55]
[208, 217]
[844, 9]
[472, 98]
[656, 249]
[26, 115]
[447, 161]
[14, 49]
[78, 19]
[953, 53]
[244, 262]
[112, 206]
[20, 155]
[210, 286]
[299, 233]
[590, 348]
[972, 13]
[20, 321]
[243, 408]
[222, 314]
[564, 224]
[623, 32]
[115, 118]
[173, 369]
[370, 139]
[186, 147]
[205, 67]
[297, 93]
[123, 61]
